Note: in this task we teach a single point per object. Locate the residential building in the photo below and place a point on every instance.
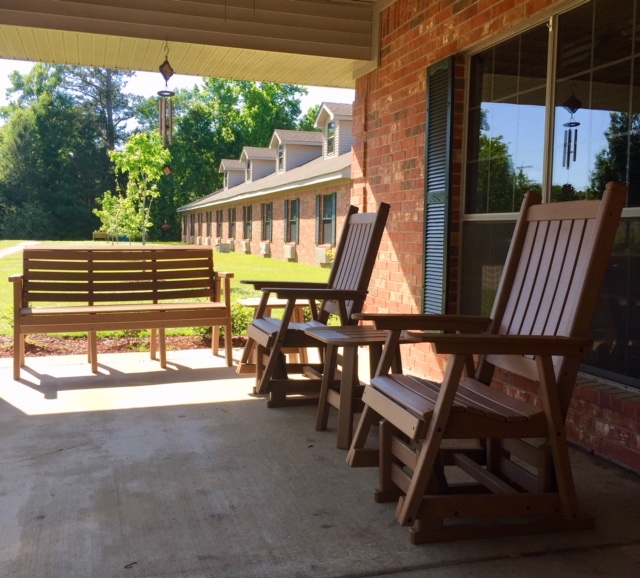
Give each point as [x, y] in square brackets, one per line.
[286, 201]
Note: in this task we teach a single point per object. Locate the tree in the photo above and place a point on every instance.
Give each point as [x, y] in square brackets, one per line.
[140, 163]
[118, 215]
[51, 159]
[620, 159]
[101, 91]
[54, 146]
[496, 176]
[214, 122]
[308, 121]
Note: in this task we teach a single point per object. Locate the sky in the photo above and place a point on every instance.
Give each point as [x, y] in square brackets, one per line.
[149, 83]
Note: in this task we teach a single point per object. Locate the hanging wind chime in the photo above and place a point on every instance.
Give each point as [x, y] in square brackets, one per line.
[570, 149]
[166, 102]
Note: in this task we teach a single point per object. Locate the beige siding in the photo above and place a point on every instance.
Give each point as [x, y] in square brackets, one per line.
[297, 155]
[344, 136]
[262, 168]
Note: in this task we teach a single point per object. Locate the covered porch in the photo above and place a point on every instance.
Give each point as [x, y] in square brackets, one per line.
[140, 471]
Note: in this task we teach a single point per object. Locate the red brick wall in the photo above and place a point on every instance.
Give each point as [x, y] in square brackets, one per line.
[389, 130]
[305, 250]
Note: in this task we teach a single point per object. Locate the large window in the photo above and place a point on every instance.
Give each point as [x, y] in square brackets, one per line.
[231, 220]
[582, 105]
[266, 221]
[247, 222]
[326, 219]
[292, 221]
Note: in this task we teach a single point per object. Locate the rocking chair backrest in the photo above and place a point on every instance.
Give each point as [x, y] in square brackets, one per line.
[553, 273]
[355, 257]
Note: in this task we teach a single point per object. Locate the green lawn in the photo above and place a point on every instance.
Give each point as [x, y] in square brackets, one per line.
[242, 266]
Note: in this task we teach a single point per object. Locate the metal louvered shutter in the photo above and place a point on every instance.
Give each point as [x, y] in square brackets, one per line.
[437, 184]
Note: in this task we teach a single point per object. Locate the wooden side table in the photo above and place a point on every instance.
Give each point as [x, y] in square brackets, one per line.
[346, 399]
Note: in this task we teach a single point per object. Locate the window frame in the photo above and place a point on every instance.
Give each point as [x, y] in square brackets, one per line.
[331, 131]
[280, 158]
[247, 222]
[266, 222]
[323, 222]
[219, 222]
[231, 223]
[292, 215]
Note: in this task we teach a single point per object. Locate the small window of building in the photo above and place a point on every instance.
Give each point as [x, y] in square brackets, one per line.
[280, 157]
[331, 137]
[219, 221]
[266, 221]
[247, 222]
[231, 220]
[248, 177]
[292, 221]
[326, 219]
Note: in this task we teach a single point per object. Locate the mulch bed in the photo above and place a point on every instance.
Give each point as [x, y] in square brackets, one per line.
[46, 345]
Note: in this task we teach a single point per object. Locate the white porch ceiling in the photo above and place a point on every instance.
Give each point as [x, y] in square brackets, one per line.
[309, 42]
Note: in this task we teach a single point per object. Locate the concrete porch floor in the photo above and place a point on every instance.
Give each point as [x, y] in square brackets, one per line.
[144, 472]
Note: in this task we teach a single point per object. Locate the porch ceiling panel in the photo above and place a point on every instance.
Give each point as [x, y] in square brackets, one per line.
[313, 42]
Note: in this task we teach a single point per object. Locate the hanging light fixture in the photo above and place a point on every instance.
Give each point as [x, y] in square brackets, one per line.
[166, 102]
[570, 150]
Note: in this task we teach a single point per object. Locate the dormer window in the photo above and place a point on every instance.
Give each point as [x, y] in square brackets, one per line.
[280, 157]
[226, 179]
[248, 169]
[331, 137]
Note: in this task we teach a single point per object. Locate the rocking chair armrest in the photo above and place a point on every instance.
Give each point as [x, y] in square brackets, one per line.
[427, 322]
[543, 345]
[224, 275]
[15, 278]
[320, 294]
[259, 285]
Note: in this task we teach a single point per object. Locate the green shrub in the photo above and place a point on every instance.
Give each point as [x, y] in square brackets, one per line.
[241, 318]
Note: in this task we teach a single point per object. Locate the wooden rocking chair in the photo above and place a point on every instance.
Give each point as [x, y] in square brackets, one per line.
[514, 458]
[343, 295]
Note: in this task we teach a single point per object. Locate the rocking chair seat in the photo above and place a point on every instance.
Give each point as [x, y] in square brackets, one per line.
[417, 397]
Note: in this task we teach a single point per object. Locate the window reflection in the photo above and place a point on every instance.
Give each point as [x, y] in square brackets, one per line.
[595, 64]
[616, 328]
[507, 117]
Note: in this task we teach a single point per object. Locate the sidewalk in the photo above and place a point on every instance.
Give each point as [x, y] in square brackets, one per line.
[16, 248]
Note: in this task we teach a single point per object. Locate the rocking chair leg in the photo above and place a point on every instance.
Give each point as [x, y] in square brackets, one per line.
[275, 368]
[388, 491]
[359, 456]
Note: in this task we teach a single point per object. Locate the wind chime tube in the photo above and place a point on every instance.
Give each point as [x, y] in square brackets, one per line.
[564, 150]
[170, 123]
[163, 120]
